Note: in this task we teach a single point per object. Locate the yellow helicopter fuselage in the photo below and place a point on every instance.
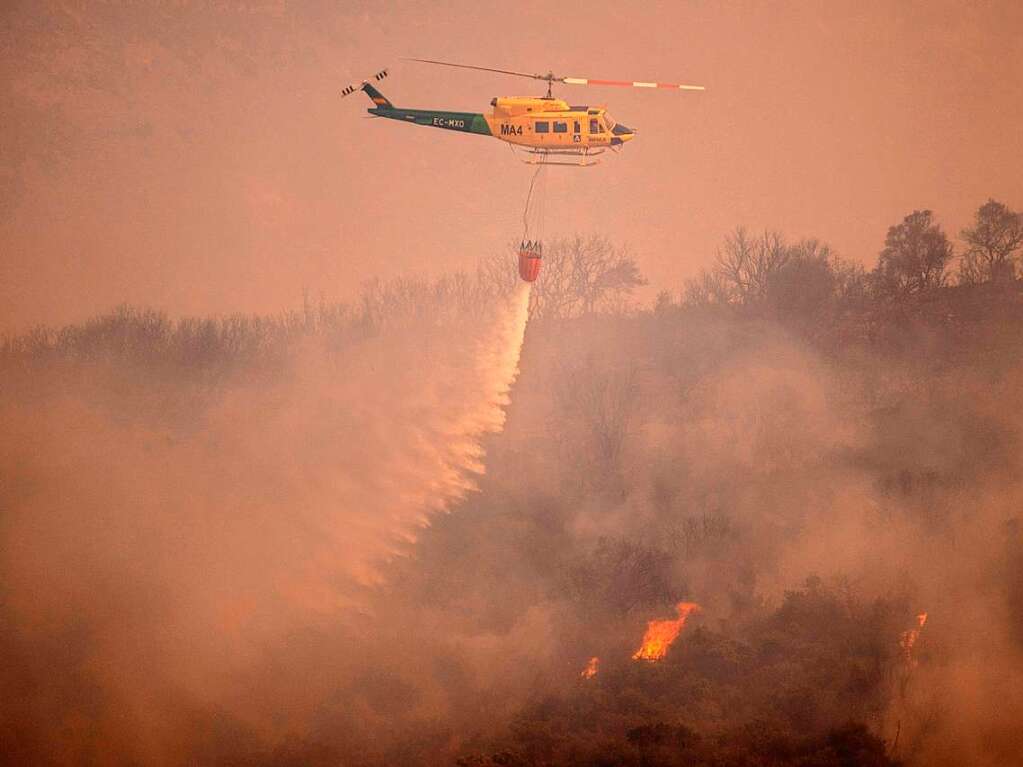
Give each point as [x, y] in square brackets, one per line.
[549, 123]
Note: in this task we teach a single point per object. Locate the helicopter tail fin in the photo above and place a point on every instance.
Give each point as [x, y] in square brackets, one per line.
[375, 96]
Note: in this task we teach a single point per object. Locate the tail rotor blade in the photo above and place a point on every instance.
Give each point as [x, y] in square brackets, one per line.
[350, 89]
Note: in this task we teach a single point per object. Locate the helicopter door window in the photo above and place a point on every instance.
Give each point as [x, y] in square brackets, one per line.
[594, 126]
[542, 126]
[577, 127]
[560, 127]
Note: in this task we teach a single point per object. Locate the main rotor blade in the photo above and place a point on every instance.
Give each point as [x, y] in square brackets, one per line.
[549, 77]
[485, 69]
[630, 84]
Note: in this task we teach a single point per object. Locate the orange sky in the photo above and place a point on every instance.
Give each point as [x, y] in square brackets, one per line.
[196, 157]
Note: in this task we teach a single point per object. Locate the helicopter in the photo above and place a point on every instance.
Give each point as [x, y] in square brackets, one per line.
[549, 130]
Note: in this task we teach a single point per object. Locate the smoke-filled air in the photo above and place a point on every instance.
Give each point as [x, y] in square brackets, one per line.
[344, 442]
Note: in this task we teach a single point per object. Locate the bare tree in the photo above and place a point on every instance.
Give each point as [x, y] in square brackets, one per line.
[600, 274]
[498, 273]
[915, 256]
[706, 289]
[993, 243]
[745, 264]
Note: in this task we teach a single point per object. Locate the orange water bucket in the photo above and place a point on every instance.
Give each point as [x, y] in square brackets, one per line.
[529, 264]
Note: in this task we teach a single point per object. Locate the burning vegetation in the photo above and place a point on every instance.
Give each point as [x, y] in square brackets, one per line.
[908, 638]
[660, 634]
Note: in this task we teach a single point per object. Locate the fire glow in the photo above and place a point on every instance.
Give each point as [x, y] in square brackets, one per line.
[660, 634]
[592, 666]
[908, 639]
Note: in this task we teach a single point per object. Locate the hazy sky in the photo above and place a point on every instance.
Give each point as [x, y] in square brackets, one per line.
[196, 156]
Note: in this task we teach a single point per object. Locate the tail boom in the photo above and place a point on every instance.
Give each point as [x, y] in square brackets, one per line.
[465, 122]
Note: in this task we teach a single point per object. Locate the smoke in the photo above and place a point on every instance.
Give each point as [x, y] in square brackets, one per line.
[165, 564]
[755, 461]
[212, 565]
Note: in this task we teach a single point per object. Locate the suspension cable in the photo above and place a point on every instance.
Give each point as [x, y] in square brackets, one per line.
[529, 196]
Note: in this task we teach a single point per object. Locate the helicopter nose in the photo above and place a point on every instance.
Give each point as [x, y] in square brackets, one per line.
[622, 133]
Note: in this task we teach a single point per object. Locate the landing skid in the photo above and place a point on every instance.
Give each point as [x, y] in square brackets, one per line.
[584, 157]
[580, 163]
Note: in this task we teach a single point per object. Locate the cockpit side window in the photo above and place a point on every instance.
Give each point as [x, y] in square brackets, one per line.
[595, 125]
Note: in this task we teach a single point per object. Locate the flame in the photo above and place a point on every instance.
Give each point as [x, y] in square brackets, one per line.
[908, 639]
[660, 634]
[592, 666]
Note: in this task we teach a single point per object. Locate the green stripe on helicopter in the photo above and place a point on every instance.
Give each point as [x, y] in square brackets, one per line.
[466, 122]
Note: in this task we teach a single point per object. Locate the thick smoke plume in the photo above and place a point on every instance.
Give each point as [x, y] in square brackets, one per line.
[168, 559]
[214, 547]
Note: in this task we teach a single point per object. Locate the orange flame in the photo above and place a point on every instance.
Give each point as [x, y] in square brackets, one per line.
[908, 639]
[592, 666]
[660, 634]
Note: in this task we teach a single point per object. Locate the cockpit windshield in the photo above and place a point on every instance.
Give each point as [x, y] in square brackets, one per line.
[609, 121]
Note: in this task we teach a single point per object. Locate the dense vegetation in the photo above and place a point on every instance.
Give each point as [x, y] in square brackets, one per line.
[811, 451]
